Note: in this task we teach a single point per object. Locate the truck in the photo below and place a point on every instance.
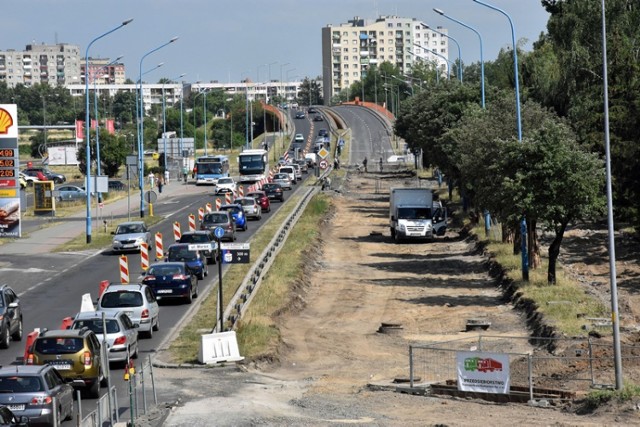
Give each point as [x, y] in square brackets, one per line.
[413, 214]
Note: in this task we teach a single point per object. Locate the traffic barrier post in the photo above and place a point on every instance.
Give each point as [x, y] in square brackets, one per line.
[176, 231]
[192, 222]
[218, 203]
[240, 191]
[227, 198]
[200, 214]
[31, 337]
[66, 323]
[103, 285]
[208, 207]
[159, 249]
[144, 256]
[124, 269]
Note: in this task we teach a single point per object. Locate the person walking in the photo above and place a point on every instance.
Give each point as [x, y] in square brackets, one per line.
[364, 163]
[152, 179]
[160, 184]
[380, 164]
[166, 176]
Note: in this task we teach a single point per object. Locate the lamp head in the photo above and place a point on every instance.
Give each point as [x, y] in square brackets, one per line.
[425, 25]
[173, 39]
[438, 11]
[127, 21]
[160, 65]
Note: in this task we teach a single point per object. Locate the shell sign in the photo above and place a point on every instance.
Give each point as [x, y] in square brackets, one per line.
[8, 122]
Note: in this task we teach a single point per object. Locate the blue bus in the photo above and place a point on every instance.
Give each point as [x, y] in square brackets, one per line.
[210, 168]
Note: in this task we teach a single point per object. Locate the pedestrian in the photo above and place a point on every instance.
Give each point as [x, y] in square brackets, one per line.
[185, 172]
[364, 163]
[151, 179]
[166, 176]
[160, 184]
[380, 164]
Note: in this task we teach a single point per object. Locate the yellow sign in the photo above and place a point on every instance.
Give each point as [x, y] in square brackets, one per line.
[323, 153]
[8, 192]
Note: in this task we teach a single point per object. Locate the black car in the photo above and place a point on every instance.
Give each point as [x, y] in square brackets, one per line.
[299, 115]
[318, 118]
[57, 178]
[323, 132]
[11, 314]
[116, 185]
[202, 237]
[311, 110]
[274, 191]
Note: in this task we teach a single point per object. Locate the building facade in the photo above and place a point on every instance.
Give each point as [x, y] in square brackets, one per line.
[103, 72]
[54, 65]
[350, 49]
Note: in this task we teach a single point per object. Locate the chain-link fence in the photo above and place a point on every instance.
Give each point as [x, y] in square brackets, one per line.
[557, 367]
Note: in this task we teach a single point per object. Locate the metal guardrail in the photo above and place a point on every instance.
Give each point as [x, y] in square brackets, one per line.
[242, 298]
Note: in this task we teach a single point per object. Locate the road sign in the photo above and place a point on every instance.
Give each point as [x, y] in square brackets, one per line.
[200, 246]
[323, 153]
[324, 164]
[235, 253]
[219, 232]
[150, 196]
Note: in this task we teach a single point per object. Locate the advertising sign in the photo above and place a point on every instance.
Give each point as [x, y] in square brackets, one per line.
[235, 253]
[10, 225]
[483, 372]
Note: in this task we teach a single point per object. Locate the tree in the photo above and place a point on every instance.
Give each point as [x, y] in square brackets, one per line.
[113, 152]
[310, 92]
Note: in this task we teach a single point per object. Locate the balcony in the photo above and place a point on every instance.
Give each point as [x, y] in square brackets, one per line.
[364, 53]
[364, 60]
[363, 37]
[336, 45]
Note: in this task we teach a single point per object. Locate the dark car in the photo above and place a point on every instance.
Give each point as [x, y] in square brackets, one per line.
[304, 167]
[194, 259]
[318, 118]
[30, 392]
[311, 110]
[10, 316]
[171, 280]
[204, 237]
[237, 213]
[274, 191]
[117, 185]
[323, 132]
[57, 178]
[299, 115]
[262, 199]
[222, 219]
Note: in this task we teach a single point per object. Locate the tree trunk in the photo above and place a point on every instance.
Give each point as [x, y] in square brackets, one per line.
[517, 241]
[533, 245]
[554, 251]
[507, 233]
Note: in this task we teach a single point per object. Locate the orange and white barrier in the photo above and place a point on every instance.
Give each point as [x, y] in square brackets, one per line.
[144, 256]
[66, 323]
[240, 191]
[218, 204]
[103, 285]
[227, 198]
[124, 269]
[208, 207]
[159, 249]
[192, 222]
[31, 337]
[176, 231]
[200, 214]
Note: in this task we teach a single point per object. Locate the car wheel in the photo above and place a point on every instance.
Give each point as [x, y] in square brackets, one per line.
[103, 381]
[149, 333]
[246, 226]
[195, 294]
[5, 338]
[17, 335]
[156, 327]
[206, 271]
[189, 297]
[201, 275]
[94, 390]
[135, 355]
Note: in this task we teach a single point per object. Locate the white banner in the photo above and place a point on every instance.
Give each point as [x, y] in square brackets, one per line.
[483, 372]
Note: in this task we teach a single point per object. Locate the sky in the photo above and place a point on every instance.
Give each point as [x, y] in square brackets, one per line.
[229, 40]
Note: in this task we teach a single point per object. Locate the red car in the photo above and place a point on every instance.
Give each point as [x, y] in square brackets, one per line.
[262, 199]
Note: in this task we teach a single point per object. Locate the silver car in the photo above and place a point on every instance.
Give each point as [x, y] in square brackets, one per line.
[250, 207]
[122, 333]
[283, 179]
[129, 236]
[137, 301]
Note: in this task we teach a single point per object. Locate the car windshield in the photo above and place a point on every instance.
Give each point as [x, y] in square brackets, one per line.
[58, 345]
[165, 270]
[121, 299]
[280, 176]
[245, 202]
[225, 181]
[182, 253]
[129, 228]
[216, 218]
[194, 238]
[96, 325]
[20, 384]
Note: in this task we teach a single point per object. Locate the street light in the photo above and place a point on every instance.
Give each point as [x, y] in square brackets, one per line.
[457, 44]
[441, 56]
[87, 123]
[281, 80]
[481, 57]
[164, 119]
[141, 129]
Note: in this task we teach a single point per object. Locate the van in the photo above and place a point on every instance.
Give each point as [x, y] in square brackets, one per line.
[298, 171]
[290, 171]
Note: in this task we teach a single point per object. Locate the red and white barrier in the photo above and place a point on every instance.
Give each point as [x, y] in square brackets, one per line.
[227, 198]
[31, 337]
[192, 222]
[124, 269]
[144, 256]
[200, 214]
[66, 323]
[103, 285]
[159, 248]
[208, 207]
[177, 232]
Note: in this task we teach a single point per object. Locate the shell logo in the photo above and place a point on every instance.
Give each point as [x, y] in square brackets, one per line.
[6, 121]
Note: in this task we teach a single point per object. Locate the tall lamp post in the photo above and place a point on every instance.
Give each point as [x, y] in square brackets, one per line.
[141, 129]
[441, 56]
[164, 118]
[457, 44]
[87, 123]
[481, 56]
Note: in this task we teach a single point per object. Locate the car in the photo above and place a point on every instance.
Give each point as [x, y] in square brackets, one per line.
[323, 133]
[171, 280]
[318, 118]
[300, 115]
[121, 333]
[75, 353]
[129, 236]
[194, 259]
[298, 139]
[9, 419]
[149, 152]
[304, 167]
[116, 185]
[70, 193]
[202, 237]
[10, 316]
[23, 182]
[137, 301]
[297, 169]
[237, 213]
[274, 190]
[262, 199]
[221, 219]
[282, 179]
[250, 206]
[57, 178]
[282, 161]
[30, 392]
[29, 179]
[225, 185]
[312, 110]
[290, 170]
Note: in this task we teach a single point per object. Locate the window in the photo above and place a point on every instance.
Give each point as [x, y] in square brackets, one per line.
[345, 58]
[389, 25]
[355, 49]
[390, 33]
[346, 74]
[346, 49]
[381, 49]
[345, 66]
[345, 34]
[355, 58]
[399, 24]
[355, 74]
[354, 42]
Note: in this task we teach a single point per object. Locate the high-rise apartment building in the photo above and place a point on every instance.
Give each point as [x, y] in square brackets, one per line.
[350, 49]
[57, 64]
[102, 71]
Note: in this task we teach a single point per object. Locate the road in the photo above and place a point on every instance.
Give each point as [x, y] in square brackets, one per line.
[50, 285]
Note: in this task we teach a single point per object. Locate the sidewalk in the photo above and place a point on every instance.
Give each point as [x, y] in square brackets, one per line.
[44, 235]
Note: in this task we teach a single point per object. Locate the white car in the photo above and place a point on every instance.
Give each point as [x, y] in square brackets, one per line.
[299, 138]
[225, 185]
[129, 236]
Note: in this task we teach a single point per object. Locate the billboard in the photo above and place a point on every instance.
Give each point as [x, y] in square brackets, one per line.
[483, 372]
[9, 172]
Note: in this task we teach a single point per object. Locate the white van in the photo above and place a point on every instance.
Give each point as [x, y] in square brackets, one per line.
[290, 171]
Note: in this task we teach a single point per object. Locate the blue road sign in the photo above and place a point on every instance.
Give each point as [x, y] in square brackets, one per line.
[219, 232]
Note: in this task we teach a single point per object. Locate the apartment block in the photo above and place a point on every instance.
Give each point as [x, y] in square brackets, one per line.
[350, 49]
[55, 65]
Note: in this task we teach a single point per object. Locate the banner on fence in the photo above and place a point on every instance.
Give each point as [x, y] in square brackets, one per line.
[483, 372]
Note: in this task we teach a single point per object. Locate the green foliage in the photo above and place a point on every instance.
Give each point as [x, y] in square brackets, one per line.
[113, 152]
[597, 398]
[310, 92]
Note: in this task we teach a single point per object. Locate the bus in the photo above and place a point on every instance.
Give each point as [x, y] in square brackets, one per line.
[210, 168]
[253, 165]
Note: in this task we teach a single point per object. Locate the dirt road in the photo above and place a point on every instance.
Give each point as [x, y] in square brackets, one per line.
[334, 366]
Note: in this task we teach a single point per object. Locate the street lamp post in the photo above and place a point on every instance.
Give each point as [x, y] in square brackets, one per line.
[87, 124]
[481, 56]
[141, 129]
[164, 119]
[441, 56]
[457, 44]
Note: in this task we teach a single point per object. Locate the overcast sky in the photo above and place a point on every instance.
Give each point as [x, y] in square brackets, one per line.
[227, 40]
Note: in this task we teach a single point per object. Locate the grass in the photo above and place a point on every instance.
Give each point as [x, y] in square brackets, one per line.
[597, 398]
[564, 304]
[256, 336]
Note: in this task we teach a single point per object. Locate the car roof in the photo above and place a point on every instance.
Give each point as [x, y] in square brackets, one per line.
[189, 233]
[118, 287]
[230, 206]
[132, 222]
[97, 315]
[182, 264]
[23, 369]
[63, 333]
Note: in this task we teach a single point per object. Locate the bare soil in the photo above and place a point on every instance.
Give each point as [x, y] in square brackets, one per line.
[336, 368]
